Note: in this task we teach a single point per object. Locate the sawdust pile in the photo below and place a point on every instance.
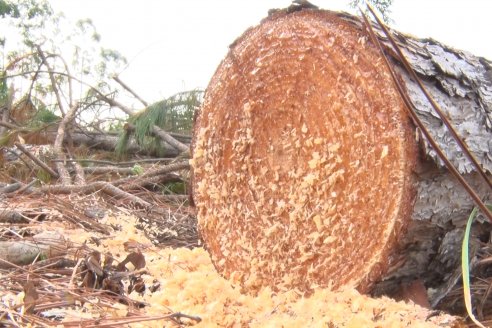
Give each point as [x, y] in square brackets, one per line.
[190, 284]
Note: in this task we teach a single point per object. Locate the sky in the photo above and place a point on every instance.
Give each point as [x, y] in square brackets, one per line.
[176, 45]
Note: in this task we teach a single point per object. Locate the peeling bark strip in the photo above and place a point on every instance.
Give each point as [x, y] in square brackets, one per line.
[303, 157]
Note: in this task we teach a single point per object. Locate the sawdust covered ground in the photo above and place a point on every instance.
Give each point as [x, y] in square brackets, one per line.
[190, 285]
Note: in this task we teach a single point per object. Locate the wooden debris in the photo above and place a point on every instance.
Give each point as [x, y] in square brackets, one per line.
[42, 246]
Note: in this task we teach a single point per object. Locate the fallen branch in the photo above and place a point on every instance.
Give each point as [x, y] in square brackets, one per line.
[109, 141]
[11, 126]
[127, 163]
[79, 173]
[44, 245]
[8, 216]
[103, 186]
[127, 88]
[27, 186]
[10, 188]
[109, 169]
[160, 179]
[183, 138]
[37, 161]
[155, 172]
[172, 198]
[60, 136]
[114, 103]
[169, 139]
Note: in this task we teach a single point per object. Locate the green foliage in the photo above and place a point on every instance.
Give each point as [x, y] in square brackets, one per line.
[43, 117]
[174, 114]
[5, 139]
[30, 25]
[8, 9]
[173, 188]
[4, 90]
[137, 169]
[87, 26]
[381, 5]
[43, 176]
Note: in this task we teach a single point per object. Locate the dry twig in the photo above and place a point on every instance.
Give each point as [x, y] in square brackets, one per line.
[37, 160]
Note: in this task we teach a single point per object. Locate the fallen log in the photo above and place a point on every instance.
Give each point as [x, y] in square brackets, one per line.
[307, 171]
[44, 245]
[102, 141]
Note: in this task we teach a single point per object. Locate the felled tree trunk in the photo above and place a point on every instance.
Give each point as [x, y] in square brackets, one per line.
[104, 141]
[308, 172]
[461, 83]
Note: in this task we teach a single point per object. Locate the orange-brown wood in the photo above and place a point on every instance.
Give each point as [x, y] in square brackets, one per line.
[302, 157]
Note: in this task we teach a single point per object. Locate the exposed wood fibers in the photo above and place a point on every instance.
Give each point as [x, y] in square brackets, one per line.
[302, 158]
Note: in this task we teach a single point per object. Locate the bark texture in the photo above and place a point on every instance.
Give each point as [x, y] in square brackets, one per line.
[462, 85]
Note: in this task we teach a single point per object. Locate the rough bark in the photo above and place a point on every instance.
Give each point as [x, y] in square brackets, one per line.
[461, 84]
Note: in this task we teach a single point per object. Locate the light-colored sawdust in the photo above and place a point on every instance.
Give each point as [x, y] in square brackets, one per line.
[191, 285]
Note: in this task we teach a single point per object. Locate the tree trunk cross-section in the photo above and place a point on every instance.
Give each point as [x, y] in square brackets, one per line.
[304, 158]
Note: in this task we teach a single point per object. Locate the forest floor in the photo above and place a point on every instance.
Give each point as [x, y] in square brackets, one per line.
[103, 268]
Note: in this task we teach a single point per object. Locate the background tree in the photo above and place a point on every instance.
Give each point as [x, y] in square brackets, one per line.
[383, 6]
[53, 65]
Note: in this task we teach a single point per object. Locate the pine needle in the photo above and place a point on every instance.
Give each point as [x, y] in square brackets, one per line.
[174, 114]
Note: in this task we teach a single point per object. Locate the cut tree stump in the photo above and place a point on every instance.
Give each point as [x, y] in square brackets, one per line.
[307, 170]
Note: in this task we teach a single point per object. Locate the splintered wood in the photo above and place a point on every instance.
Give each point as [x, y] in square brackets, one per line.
[302, 158]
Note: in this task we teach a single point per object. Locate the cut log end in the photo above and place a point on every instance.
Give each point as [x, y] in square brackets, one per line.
[303, 155]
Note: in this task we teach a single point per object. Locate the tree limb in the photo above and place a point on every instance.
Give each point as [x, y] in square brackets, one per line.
[99, 94]
[114, 103]
[127, 88]
[155, 172]
[169, 139]
[52, 78]
[109, 169]
[128, 163]
[10, 126]
[62, 170]
[37, 160]
[103, 186]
